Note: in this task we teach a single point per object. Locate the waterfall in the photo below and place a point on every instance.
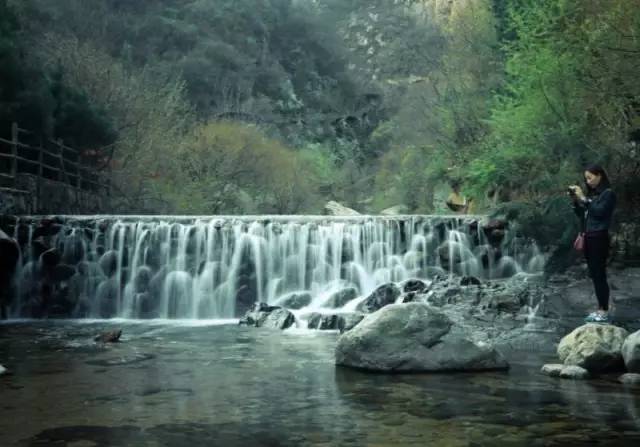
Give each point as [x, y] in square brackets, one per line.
[216, 267]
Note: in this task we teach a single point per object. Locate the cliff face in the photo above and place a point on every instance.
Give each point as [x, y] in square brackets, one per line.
[375, 31]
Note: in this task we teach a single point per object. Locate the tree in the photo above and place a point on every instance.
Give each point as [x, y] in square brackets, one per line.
[568, 101]
[227, 167]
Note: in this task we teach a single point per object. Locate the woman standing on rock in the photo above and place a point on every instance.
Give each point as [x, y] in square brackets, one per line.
[595, 210]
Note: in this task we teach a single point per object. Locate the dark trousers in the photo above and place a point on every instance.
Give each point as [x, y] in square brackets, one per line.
[596, 250]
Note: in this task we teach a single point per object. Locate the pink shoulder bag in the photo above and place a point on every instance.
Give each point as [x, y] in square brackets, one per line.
[578, 244]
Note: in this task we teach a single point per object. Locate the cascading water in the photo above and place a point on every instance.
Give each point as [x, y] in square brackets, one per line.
[180, 267]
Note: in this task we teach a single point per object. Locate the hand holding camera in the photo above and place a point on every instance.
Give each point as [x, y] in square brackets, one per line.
[575, 192]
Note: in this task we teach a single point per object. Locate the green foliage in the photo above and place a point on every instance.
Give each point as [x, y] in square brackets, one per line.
[269, 60]
[561, 109]
[550, 221]
[40, 99]
[372, 103]
[222, 163]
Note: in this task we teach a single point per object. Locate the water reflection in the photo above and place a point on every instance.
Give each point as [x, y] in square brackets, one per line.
[175, 385]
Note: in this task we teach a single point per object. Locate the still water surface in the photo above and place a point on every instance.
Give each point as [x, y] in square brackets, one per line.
[213, 384]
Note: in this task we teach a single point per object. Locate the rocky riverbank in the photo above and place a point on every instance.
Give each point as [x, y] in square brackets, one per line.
[481, 323]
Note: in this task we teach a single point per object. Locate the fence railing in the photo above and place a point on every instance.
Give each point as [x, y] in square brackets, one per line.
[46, 159]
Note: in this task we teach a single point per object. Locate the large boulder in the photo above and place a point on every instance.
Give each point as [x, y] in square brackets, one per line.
[107, 295]
[74, 249]
[63, 272]
[294, 300]
[453, 252]
[279, 319]
[323, 321]
[413, 337]
[384, 295]
[495, 230]
[50, 258]
[142, 279]
[341, 297]
[256, 313]
[263, 315]
[10, 252]
[246, 293]
[631, 352]
[396, 210]
[335, 209]
[595, 347]
[442, 292]
[348, 321]
[414, 285]
[109, 263]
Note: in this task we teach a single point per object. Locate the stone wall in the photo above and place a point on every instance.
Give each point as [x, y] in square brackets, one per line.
[33, 195]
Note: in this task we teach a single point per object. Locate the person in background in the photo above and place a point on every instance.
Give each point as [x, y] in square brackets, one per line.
[457, 202]
[595, 210]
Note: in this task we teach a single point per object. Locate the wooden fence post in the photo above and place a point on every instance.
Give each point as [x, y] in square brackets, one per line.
[40, 156]
[60, 155]
[40, 170]
[14, 152]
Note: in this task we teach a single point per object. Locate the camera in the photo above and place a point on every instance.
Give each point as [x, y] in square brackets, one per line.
[571, 190]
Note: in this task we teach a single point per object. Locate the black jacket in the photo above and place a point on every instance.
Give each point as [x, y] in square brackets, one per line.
[597, 212]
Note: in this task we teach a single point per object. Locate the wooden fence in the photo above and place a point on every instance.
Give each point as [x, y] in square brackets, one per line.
[27, 153]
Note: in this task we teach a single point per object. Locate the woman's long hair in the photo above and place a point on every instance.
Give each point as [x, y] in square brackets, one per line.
[604, 179]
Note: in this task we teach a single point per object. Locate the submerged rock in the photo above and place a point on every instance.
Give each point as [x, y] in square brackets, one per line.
[574, 372]
[630, 379]
[413, 337]
[552, 369]
[595, 347]
[109, 337]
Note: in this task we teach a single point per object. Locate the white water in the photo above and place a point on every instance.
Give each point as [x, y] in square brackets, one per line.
[197, 267]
